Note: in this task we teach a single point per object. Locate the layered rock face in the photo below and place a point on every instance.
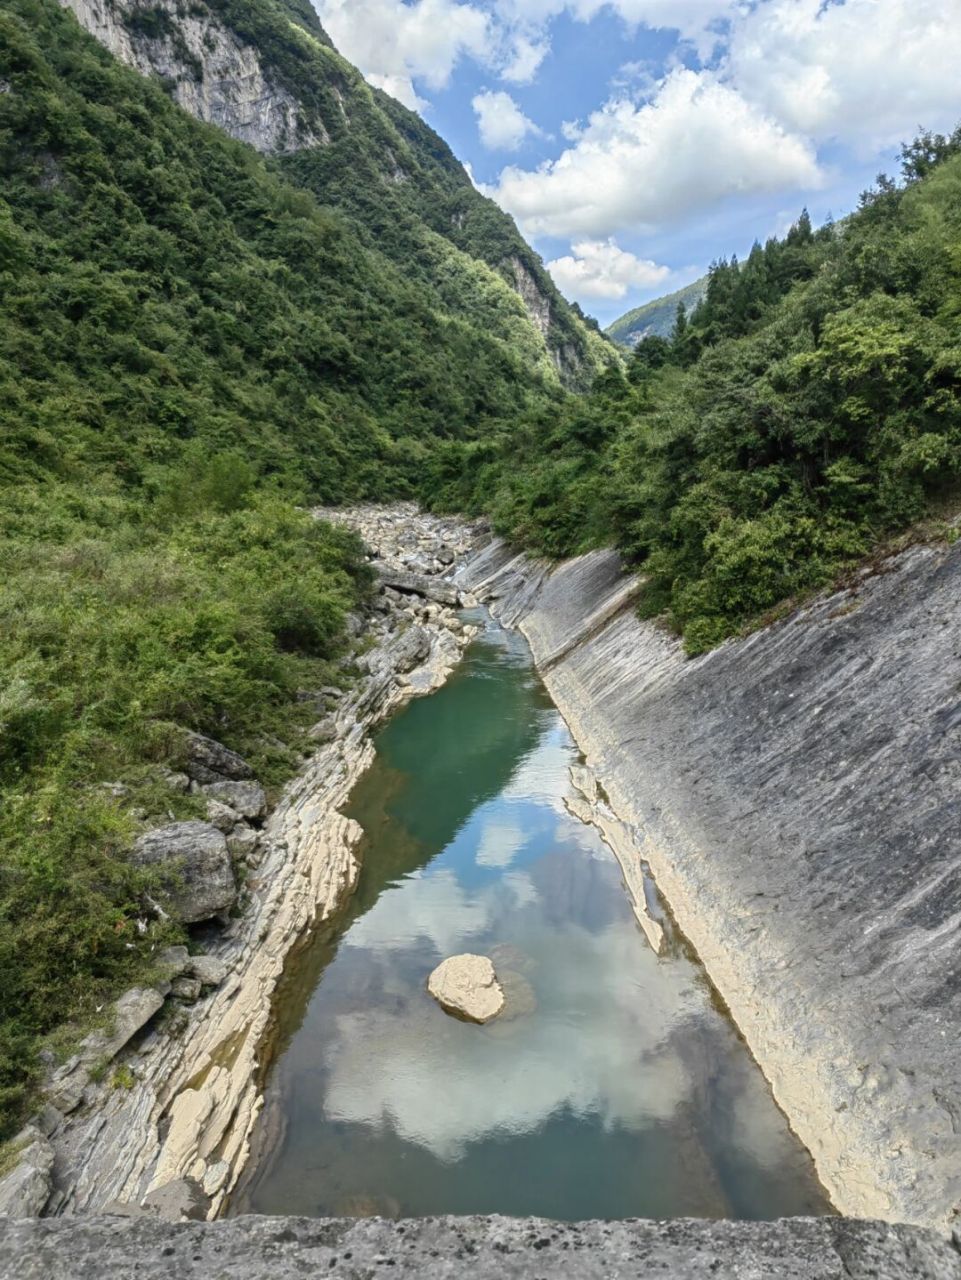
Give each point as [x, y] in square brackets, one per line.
[797, 795]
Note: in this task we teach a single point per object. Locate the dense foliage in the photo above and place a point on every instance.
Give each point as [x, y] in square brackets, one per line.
[807, 409]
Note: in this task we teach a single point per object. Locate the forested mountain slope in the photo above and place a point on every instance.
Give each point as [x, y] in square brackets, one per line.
[265, 71]
[656, 318]
[808, 410]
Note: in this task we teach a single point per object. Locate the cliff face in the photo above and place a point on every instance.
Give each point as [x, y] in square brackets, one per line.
[798, 797]
[266, 73]
[210, 72]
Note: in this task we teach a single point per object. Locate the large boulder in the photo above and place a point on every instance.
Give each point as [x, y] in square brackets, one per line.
[129, 1015]
[196, 872]
[246, 798]
[410, 649]
[467, 987]
[210, 761]
[417, 584]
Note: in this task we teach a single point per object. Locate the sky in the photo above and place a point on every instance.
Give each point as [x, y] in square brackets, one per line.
[636, 141]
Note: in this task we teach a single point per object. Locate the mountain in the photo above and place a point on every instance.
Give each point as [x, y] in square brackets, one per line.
[657, 316]
[266, 73]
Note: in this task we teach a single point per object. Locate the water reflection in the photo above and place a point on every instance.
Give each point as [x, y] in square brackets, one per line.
[611, 1087]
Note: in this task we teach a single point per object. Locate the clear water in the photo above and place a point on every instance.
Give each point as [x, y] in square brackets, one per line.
[616, 1087]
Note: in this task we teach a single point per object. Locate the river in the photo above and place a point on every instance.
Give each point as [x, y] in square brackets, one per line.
[614, 1085]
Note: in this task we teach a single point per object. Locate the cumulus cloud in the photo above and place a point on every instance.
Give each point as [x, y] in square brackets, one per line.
[601, 269]
[865, 72]
[500, 121]
[395, 43]
[634, 167]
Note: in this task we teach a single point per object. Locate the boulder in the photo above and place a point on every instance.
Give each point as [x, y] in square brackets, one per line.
[131, 1012]
[417, 584]
[208, 970]
[173, 961]
[25, 1189]
[243, 841]
[222, 816]
[246, 798]
[195, 865]
[467, 986]
[187, 989]
[210, 761]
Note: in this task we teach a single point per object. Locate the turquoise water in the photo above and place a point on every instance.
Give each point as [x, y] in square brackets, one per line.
[613, 1086]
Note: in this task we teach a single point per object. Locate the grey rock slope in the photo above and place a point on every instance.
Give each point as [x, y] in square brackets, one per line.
[798, 797]
[482, 1248]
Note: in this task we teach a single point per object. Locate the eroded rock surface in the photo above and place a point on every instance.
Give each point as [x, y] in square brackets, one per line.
[798, 797]
[467, 986]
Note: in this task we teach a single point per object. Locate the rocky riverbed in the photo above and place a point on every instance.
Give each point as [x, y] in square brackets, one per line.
[154, 1113]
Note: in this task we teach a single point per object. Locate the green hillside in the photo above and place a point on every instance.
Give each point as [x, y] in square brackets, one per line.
[656, 317]
[808, 410]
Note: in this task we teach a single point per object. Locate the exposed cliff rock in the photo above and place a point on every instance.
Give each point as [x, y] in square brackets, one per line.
[212, 74]
[484, 1248]
[798, 797]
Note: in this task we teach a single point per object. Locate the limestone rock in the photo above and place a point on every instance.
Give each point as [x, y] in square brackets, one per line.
[199, 880]
[411, 648]
[173, 961]
[466, 985]
[222, 816]
[246, 798]
[210, 761]
[210, 970]
[417, 584]
[26, 1188]
[131, 1012]
[243, 841]
[187, 989]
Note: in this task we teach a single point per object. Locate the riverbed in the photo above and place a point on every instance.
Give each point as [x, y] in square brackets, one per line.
[614, 1085]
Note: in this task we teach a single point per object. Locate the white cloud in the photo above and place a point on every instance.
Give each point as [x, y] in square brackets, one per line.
[636, 167]
[394, 43]
[866, 72]
[524, 59]
[601, 269]
[502, 124]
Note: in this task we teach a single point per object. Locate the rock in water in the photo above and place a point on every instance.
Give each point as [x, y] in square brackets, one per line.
[467, 986]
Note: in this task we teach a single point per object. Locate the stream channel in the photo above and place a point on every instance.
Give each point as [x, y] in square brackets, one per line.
[613, 1085]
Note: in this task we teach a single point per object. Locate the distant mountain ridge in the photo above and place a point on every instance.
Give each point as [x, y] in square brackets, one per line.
[656, 316]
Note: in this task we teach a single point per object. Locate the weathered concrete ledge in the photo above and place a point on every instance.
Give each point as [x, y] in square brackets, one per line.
[493, 1248]
[797, 795]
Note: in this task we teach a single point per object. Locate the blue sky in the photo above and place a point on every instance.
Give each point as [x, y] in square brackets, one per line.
[636, 140]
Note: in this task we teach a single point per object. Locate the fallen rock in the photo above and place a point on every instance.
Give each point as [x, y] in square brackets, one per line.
[467, 986]
[195, 862]
[173, 961]
[25, 1190]
[222, 816]
[187, 989]
[210, 970]
[246, 798]
[210, 761]
[243, 841]
[417, 584]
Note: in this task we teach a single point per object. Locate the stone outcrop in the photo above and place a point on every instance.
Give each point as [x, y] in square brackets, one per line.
[797, 795]
[261, 1248]
[212, 73]
[193, 863]
[245, 798]
[467, 986]
[25, 1190]
[418, 584]
[210, 761]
